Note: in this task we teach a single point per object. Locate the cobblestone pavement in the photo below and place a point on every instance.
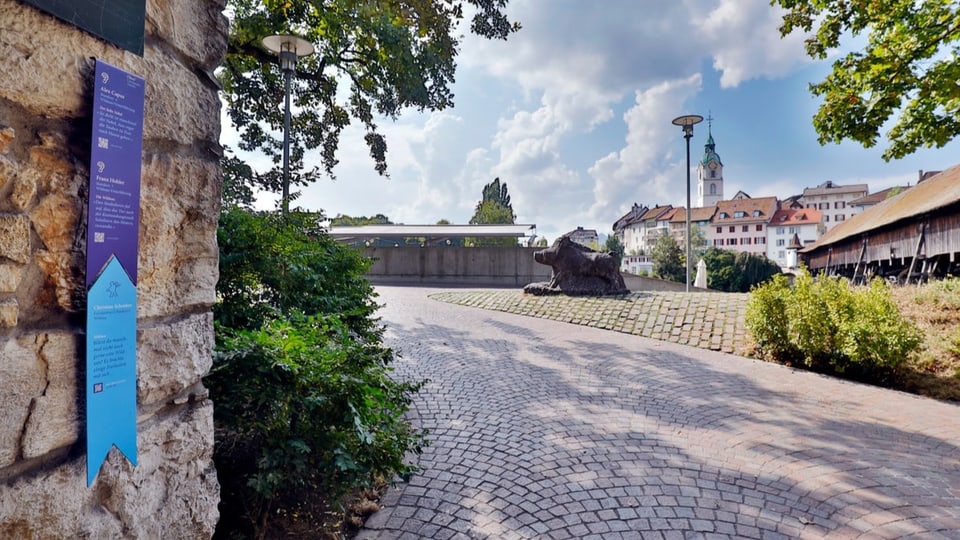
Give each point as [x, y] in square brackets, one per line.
[546, 429]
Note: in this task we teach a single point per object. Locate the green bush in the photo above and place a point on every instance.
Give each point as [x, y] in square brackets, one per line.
[828, 325]
[303, 401]
[302, 404]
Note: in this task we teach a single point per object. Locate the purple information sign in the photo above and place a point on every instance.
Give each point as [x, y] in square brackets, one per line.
[115, 158]
[113, 224]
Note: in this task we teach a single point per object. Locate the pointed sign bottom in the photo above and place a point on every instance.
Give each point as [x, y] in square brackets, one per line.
[111, 382]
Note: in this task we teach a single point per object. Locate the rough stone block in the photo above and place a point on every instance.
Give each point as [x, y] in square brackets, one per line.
[9, 311]
[62, 279]
[173, 493]
[179, 232]
[24, 378]
[57, 220]
[53, 421]
[24, 191]
[7, 135]
[173, 357]
[8, 171]
[198, 30]
[10, 275]
[15, 237]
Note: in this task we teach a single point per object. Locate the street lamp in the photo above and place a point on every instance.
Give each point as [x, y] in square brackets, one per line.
[289, 49]
[687, 122]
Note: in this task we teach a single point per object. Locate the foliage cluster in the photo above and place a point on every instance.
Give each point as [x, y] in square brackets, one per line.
[613, 245]
[907, 71]
[494, 208]
[373, 59]
[667, 258]
[828, 325]
[732, 271]
[300, 377]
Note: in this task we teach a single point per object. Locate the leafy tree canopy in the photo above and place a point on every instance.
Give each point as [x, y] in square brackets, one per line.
[733, 271]
[910, 64]
[373, 57]
[348, 221]
[667, 259]
[614, 246]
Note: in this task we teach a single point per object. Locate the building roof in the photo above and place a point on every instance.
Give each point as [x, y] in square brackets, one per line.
[932, 194]
[580, 231]
[829, 188]
[655, 212]
[634, 215]
[789, 217]
[364, 232]
[878, 197]
[698, 213]
[766, 206]
[669, 215]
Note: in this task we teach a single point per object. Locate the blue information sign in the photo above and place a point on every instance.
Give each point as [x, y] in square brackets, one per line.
[111, 367]
[112, 229]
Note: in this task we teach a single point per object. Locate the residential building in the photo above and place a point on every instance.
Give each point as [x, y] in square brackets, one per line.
[585, 237]
[709, 175]
[802, 225]
[874, 198]
[621, 225]
[699, 218]
[740, 224]
[834, 201]
[639, 235]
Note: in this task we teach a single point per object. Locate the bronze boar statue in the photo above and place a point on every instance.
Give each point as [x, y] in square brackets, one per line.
[578, 271]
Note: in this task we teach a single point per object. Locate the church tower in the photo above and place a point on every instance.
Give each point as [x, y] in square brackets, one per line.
[709, 173]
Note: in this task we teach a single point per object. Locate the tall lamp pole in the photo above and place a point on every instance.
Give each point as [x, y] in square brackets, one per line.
[687, 122]
[289, 49]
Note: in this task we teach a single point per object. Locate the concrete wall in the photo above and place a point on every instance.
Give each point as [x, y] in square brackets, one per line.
[45, 116]
[500, 266]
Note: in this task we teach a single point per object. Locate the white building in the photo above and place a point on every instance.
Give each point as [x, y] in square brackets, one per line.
[709, 176]
[804, 224]
[834, 201]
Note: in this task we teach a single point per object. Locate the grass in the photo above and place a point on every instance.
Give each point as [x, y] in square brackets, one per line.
[935, 309]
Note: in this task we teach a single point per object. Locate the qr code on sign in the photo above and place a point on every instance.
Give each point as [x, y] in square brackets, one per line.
[98, 238]
[103, 142]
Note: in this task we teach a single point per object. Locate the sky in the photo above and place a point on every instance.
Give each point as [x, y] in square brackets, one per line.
[574, 114]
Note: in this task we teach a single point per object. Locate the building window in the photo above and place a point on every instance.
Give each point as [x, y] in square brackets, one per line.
[843, 204]
[745, 228]
[723, 215]
[780, 253]
[739, 214]
[719, 230]
[760, 227]
[761, 239]
[713, 174]
[779, 230]
[713, 187]
[731, 241]
[756, 213]
[781, 242]
[793, 230]
[733, 228]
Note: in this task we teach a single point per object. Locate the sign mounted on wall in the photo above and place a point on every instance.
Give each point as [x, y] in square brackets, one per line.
[120, 22]
[113, 224]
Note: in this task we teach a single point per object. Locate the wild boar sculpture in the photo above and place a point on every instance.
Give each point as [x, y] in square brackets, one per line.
[578, 271]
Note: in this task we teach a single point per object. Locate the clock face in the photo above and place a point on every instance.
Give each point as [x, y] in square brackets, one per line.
[713, 165]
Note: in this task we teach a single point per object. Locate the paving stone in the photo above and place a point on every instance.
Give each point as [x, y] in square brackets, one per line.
[545, 429]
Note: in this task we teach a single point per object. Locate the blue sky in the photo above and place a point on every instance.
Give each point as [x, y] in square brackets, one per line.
[574, 112]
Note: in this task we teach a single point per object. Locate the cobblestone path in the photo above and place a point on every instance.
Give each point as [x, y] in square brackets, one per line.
[546, 429]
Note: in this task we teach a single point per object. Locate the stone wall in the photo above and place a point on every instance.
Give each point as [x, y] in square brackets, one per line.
[46, 71]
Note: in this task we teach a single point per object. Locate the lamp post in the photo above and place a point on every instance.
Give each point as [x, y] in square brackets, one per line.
[289, 49]
[687, 122]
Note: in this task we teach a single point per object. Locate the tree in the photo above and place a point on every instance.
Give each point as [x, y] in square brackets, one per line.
[614, 246]
[494, 208]
[733, 271]
[667, 259]
[698, 242]
[347, 221]
[909, 64]
[390, 55]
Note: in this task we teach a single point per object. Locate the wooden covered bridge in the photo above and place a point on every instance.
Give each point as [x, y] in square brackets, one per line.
[908, 237]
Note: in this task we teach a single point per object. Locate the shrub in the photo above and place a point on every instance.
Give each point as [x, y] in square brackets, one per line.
[303, 401]
[827, 325]
[301, 404]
